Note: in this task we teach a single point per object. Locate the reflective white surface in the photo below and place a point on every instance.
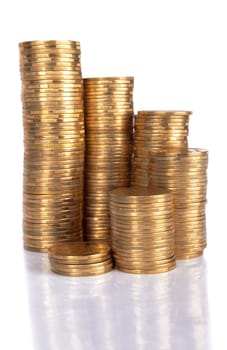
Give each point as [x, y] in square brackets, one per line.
[181, 310]
[118, 311]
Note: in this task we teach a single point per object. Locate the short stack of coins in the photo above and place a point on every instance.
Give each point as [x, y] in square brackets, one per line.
[156, 130]
[185, 174]
[108, 128]
[53, 120]
[142, 230]
[80, 258]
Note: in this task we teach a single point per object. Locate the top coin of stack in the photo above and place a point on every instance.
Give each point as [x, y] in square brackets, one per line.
[142, 229]
[185, 174]
[156, 130]
[108, 125]
[52, 99]
[80, 258]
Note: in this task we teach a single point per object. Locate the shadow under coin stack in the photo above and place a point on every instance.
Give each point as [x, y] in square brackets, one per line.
[142, 230]
[185, 174]
[108, 128]
[80, 258]
[156, 130]
[52, 98]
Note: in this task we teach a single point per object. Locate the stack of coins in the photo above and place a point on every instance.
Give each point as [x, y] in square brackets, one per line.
[53, 120]
[80, 258]
[156, 130]
[185, 174]
[108, 127]
[142, 230]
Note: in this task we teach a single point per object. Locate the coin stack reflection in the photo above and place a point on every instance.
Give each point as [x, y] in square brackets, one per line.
[191, 305]
[52, 99]
[155, 130]
[108, 128]
[69, 304]
[142, 230]
[185, 174]
[151, 300]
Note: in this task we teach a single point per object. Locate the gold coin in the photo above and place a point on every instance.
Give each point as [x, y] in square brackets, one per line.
[49, 43]
[51, 50]
[80, 250]
[102, 80]
[150, 271]
[78, 273]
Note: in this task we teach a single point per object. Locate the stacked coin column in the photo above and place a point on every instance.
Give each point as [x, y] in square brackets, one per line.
[156, 130]
[108, 129]
[185, 174]
[52, 99]
[142, 230]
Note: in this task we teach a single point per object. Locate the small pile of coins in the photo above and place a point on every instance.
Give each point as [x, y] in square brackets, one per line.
[53, 120]
[108, 127]
[185, 174]
[156, 130]
[142, 230]
[80, 258]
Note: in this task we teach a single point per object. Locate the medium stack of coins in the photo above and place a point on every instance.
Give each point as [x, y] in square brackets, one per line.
[156, 130]
[142, 230]
[185, 174]
[80, 258]
[108, 127]
[52, 99]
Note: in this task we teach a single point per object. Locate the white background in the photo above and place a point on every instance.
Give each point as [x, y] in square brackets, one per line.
[176, 50]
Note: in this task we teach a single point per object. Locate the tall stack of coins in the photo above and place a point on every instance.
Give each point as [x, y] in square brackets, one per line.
[142, 230]
[156, 130]
[185, 174]
[80, 258]
[108, 128]
[52, 99]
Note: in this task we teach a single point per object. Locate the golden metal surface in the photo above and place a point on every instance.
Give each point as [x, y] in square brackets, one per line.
[155, 130]
[66, 188]
[108, 126]
[53, 120]
[142, 229]
[80, 258]
[185, 174]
